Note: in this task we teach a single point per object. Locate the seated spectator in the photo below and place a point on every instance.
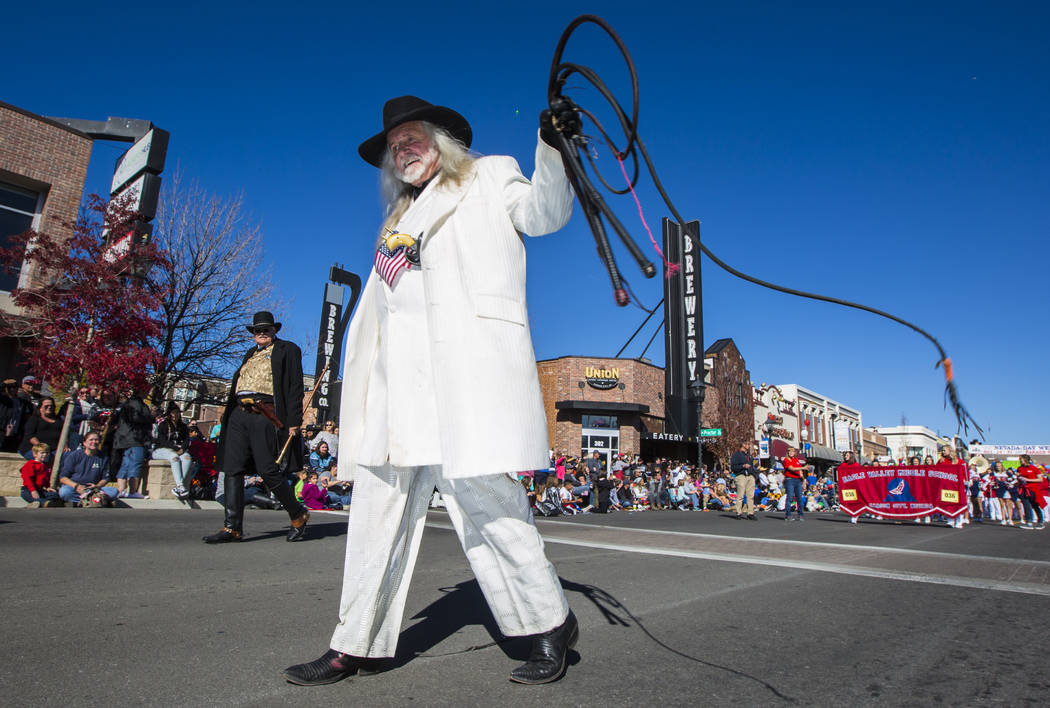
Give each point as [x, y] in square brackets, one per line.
[677, 496]
[36, 479]
[256, 493]
[690, 491]
[616, 502]
[581, 487]
[329, 436]
[313, 496]
[44, 426]
[298, 488]
[321, 458]
[569, 502]
[720, 496]
[703, 488]
[172, 444]
[205, 478]
[338, 492]
[640, 494]
[83, 471]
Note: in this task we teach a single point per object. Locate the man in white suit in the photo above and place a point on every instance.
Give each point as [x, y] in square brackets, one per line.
[439, 366]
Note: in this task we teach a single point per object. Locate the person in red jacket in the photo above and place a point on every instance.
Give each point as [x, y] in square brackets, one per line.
[1030, 479]
[36, 478]
[794, 483]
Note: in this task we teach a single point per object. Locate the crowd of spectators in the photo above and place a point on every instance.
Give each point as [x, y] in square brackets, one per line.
[108, 444]
[111, 439]
[588, 485]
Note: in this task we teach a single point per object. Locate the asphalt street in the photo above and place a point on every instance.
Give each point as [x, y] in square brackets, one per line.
[128, 607]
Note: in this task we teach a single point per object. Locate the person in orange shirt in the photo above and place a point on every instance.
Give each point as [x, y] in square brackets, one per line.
[794, 483]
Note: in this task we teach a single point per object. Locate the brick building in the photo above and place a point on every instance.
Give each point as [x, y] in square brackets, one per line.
[605, 405]
[728, 402]
[42, 169]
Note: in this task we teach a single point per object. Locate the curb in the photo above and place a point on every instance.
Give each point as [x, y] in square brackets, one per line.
[20, 503]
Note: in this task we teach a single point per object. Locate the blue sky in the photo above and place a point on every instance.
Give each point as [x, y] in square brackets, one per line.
[892, 153]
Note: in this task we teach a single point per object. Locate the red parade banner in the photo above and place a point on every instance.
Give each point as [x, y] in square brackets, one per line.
[903, 492]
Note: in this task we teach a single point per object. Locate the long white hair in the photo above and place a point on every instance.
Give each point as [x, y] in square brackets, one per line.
[454, 159]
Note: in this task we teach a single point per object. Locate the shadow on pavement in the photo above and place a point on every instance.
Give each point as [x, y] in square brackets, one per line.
[463, 604]
[615, 612]
[314, 531]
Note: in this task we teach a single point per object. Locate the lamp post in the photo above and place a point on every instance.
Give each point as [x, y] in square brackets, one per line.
[698, 387]
[769, 425]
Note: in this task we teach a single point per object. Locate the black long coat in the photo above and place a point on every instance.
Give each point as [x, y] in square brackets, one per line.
[287, 366]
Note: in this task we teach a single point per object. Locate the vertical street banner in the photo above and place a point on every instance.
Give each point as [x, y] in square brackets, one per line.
[329, 341]
[683, 327]
[903, 492]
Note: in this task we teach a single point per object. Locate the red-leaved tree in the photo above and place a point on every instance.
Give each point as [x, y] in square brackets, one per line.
[85, 315]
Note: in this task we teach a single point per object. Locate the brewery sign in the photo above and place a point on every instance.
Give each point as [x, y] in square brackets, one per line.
[601, 378]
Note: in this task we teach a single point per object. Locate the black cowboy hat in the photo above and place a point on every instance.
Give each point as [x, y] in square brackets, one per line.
[263, 319]
[405, 109]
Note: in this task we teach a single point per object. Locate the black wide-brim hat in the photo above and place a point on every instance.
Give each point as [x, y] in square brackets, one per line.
[405, 109]
[263, 319]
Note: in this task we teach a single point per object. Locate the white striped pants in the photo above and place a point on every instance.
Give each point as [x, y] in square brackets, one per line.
[491, 518]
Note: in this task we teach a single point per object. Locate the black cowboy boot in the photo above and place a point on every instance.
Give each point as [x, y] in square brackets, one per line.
[297, 513]
[549, 656]
[297, 531]
[232, 528]
[224, 535]
[332, 666]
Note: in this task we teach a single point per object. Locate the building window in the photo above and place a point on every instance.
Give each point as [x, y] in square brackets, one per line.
[18, 211]
[601, 422]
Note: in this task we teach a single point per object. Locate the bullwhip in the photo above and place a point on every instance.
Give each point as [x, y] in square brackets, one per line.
[563, 115]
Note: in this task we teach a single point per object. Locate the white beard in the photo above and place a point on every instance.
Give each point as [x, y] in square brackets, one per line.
[417, 169]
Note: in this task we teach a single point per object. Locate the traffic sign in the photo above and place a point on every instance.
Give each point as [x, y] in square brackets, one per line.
[710, 432]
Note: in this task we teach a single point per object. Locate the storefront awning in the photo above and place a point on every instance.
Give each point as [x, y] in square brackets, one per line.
[604, 406]
[820, 452]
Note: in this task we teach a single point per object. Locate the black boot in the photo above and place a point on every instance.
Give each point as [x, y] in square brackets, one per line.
[225, 535]
[549, 656]
[331, 667]
[297, 531]
[234, 501]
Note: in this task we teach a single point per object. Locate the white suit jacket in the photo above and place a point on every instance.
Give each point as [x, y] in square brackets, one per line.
[487, 391]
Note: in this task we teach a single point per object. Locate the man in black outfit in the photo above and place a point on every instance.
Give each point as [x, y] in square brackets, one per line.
[264, 409]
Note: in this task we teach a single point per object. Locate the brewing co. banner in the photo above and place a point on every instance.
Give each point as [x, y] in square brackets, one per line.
[903, 492]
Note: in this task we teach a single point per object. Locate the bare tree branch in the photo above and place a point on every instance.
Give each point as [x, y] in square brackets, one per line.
[215, 281]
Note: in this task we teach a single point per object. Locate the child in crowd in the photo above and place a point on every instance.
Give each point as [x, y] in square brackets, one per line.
[313, 496]
[302, 481]
[570, 502]
[36, 479]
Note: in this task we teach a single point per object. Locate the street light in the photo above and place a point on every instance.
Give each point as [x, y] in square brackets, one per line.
[769, 425]
[698, 386]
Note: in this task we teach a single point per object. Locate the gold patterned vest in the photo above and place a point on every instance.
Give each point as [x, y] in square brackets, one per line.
[257, 373]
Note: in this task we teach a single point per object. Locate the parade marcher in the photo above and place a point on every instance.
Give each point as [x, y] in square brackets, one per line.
[264, 409]
[437, 324]
[745, 472]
